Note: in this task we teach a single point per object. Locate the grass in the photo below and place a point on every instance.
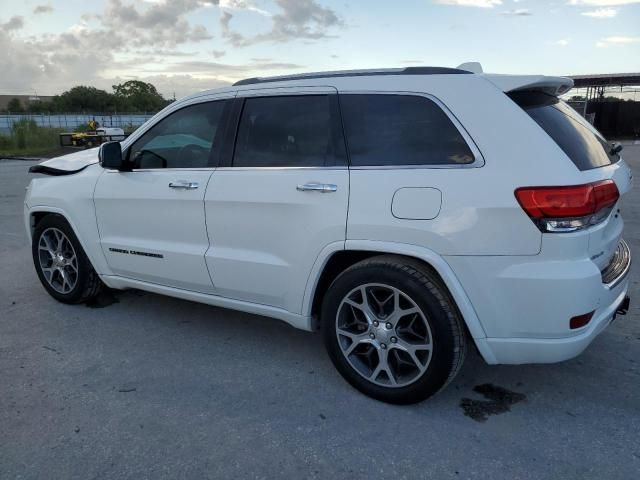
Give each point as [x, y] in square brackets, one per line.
[28, 139]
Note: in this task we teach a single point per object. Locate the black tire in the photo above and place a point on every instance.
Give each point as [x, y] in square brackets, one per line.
[425, 289]
[88, 284]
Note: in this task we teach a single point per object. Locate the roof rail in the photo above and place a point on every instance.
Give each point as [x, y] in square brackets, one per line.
[355, 73]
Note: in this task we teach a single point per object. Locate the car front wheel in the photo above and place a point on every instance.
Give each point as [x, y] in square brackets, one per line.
[61, 264]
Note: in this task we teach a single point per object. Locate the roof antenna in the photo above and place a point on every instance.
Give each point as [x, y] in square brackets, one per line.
[473, 67]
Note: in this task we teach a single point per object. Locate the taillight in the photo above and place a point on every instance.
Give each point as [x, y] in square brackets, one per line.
[571, 208]
[581, 320]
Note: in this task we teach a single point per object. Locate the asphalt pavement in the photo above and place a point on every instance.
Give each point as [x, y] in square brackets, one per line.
[145, 386]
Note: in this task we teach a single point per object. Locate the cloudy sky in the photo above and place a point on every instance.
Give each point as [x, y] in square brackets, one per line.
[182, 46]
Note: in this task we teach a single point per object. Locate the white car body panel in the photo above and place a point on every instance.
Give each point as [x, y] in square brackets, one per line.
[72, 197]
[248, 239]
[138, 212]
[265, 234]
[74, 161]
[293, 319]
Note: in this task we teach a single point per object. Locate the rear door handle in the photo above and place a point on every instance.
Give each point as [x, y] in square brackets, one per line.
[317, 187]
[183, 184]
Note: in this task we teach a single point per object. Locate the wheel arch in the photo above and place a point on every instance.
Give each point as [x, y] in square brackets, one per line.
[336, 261]
[36, 213]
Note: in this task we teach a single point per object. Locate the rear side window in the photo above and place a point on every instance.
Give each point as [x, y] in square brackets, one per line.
[285, 131]
[400, 130]
[583, 144]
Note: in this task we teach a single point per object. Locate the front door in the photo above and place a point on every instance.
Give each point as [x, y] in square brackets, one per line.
[281, 200]
[151, 219]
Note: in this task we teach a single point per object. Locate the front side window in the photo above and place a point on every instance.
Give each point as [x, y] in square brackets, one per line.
[184, 139]
[400, 130]
[285, 131]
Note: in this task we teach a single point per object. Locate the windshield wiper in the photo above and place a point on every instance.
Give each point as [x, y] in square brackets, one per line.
[616, 148]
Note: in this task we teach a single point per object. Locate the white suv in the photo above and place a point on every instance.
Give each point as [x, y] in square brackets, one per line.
[409, 214]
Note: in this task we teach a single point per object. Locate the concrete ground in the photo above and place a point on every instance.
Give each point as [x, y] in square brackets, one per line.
[154, 387]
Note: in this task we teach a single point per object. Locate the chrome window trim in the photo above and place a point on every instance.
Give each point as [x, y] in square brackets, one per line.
[225, 169]
[478, 162]
[475, 150]
[234, 169]
[196, 169]
[168, 110]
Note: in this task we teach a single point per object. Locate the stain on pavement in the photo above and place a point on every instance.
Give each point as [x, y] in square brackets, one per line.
[499, 400]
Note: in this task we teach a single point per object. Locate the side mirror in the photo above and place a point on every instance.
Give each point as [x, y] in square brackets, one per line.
[110, 155]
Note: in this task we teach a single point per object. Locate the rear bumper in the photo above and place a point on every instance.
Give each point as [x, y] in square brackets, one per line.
[525, 304]
[549, 350]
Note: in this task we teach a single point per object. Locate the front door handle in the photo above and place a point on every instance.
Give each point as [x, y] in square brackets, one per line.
[183, 184]
[317, 187]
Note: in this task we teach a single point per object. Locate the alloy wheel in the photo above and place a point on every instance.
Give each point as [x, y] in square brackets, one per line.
[384, 335]
[58, 260]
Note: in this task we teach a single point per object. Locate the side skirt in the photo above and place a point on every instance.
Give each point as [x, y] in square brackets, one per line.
[293, 319]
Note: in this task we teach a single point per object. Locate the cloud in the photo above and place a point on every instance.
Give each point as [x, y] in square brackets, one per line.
[297, 19]
[617, 41]
[563, 42]
[150, 39]
[52, 63]
[471, 3]
[603, 3]
[162, 24]
[517, 12]
[222, 69]
[243, 5]
[42, 9]
[170, 85]
[161, 52]
[14, 23]
[601, 13]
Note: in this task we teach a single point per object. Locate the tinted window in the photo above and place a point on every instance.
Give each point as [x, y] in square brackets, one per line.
[184, 139]
[583, 144]
[285, 132]
[400, 130]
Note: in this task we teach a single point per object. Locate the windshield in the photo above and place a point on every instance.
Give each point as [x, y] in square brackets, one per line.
[582, 143]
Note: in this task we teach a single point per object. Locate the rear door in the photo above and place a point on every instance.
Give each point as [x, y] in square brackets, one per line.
[151, 219]
[282, 197]
[592, 156]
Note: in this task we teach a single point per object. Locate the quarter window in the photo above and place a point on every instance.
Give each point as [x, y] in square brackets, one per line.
[583, 144]
[285, 131]
[184, 139]
[400, 130]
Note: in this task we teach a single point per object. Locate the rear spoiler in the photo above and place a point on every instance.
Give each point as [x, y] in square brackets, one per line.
[550, 85]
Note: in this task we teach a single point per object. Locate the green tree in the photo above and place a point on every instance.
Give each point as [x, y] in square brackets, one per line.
[84, 99]
[15, 105]
[137, 96]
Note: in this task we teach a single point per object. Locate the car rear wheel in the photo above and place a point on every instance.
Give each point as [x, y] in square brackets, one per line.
[392, 330]
[61, 264]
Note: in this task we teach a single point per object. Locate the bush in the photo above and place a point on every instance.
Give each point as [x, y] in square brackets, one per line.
[82, 128]
[129, 128]
[5, 142]
[27, 137]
